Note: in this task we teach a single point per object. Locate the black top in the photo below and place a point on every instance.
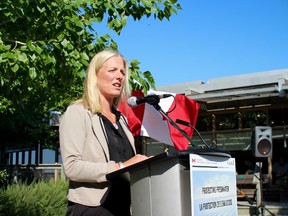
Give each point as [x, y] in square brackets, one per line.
[119, 146]
[118, 200]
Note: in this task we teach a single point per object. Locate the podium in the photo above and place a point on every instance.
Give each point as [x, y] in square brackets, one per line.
[194, 182]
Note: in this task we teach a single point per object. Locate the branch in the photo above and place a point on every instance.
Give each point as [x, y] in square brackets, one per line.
[6, 21]
[16, 43]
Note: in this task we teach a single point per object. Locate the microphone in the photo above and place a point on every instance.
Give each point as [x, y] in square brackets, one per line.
[151, 99]
[179, 121]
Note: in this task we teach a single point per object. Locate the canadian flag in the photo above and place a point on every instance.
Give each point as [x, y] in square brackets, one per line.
[145, 120]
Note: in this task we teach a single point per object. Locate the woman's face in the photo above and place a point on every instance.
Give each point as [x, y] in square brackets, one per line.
[111, 77]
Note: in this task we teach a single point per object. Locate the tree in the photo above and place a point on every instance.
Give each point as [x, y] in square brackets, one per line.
[45, 47]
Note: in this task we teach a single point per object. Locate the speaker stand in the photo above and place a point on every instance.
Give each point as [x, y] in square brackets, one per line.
[259, 196]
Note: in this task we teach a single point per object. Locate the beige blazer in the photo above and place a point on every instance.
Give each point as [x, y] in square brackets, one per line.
[85, 155]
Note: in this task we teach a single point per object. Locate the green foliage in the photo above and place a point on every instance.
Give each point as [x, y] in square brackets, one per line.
[135, 82]
[36, 199]
[3, 177]
[45, 47]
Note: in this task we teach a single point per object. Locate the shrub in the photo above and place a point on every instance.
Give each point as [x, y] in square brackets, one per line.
[3, 178]
[41, 199]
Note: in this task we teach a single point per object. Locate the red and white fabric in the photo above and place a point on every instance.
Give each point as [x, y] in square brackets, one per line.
[145, 120]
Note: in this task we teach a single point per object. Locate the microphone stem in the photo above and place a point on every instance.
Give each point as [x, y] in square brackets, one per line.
[191, 126]
[158, 108]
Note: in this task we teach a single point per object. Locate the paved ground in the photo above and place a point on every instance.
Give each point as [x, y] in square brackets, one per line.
[271, 208]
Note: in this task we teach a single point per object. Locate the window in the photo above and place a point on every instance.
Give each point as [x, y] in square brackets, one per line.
[226, 121]
[254, 118]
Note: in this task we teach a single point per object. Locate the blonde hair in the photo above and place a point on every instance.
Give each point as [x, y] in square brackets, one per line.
[91, 95]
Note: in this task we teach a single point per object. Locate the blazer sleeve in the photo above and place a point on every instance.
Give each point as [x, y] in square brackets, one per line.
[82, 155]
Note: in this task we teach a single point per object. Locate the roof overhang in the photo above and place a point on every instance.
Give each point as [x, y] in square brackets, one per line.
[253, 90]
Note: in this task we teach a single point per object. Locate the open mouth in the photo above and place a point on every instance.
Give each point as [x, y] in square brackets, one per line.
[118, 85]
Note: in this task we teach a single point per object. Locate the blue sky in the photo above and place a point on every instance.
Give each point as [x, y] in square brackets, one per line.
[209, 39]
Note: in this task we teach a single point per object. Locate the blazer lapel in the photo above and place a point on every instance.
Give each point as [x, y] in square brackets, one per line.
[100, 133]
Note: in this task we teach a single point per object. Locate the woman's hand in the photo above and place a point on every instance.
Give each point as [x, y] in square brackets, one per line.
[136, 159]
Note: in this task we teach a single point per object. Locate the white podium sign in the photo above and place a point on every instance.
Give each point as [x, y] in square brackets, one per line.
[197, 182]
[213, 185]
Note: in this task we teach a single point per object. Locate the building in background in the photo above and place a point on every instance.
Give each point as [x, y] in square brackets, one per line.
[231, 107]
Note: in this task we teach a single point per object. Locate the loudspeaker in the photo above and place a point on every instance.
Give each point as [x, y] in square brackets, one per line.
[261, 144]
